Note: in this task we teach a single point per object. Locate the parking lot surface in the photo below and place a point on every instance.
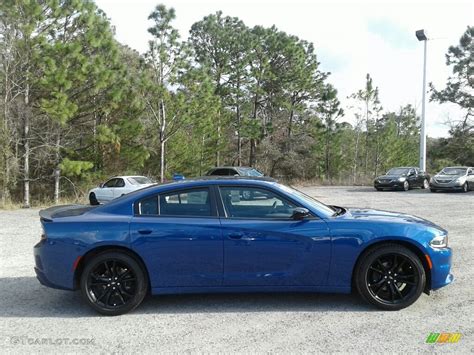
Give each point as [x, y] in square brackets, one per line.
[34, 318]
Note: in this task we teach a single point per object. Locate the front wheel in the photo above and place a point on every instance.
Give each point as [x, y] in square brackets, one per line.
[93, 199]
[465, 188]
[433, 190]
[390, 277]
[113, 283]
[425, 185]
[406, 186]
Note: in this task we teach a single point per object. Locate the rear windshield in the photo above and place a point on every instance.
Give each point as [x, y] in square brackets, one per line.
[139, 180]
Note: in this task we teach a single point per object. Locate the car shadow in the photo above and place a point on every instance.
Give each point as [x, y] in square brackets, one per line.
[25, 297]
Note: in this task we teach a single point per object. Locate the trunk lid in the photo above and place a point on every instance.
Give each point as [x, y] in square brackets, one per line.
[51, 213]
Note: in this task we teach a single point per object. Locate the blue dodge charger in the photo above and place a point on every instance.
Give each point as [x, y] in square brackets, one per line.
[202, 235]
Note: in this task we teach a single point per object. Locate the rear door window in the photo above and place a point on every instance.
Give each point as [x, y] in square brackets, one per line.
[186, 203]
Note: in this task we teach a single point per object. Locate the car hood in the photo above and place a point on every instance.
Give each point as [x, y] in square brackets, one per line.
[386, 216]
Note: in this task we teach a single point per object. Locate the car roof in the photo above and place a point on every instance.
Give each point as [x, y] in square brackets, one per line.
[456, 167]
[211, 180]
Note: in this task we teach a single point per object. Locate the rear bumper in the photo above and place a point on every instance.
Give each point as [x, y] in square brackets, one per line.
[45, 282]
[53, 266]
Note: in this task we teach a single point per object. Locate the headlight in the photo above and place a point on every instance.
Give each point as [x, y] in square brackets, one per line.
[401, 179]
[460, 180]
[441, 241]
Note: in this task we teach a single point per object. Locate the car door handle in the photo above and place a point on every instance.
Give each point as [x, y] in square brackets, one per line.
[240, 236]
[235, 236]
[144, 231]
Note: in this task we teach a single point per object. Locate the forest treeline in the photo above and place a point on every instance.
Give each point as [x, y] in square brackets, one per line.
[77, 106]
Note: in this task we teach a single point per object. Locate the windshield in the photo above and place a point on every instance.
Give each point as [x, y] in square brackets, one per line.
[397, 171]
[453, 171]
[139, 180]
[311, 202]
[250, 172]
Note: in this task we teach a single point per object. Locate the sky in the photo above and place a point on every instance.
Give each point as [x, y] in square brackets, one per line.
[351, 39]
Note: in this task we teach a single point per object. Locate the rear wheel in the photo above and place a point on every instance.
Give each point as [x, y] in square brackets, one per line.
[390, 277]
[93, 199]
[113, 283]
[426, 184]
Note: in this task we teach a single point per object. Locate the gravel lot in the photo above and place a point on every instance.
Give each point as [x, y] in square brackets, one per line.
[278, 323]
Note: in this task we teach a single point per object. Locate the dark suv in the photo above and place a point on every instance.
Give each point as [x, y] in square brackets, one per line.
[403, 178]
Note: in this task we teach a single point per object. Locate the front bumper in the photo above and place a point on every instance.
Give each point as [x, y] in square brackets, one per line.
[441, 272]
[389, 185]
[446, 186]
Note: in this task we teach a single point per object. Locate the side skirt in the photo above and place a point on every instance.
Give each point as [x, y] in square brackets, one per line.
[249, 289]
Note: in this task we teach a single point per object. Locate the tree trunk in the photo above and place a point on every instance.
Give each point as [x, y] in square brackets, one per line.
[366, 138]
[239, 137]
[253, 142]
[218, 141]
[57, 175]
[162, 161]
[327, 153]
[239, 124]
[290, 126]
[162, 141]
[26, 159]
[57, 171]
[356, 153]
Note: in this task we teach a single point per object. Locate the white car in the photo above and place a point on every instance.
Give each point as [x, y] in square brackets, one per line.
[116, 187]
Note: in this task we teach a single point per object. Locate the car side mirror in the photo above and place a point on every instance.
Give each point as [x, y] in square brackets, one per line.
[300, 213]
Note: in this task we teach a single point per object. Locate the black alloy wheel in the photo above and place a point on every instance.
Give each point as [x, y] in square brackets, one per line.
[390, 276]
[113, 283]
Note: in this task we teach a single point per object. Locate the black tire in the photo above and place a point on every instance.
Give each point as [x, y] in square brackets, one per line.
[113, 283]
[425, 184]
[465, 187]
[379, 189]
[433, 190]
[93, 199]
[377, 272]
[406, 186]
